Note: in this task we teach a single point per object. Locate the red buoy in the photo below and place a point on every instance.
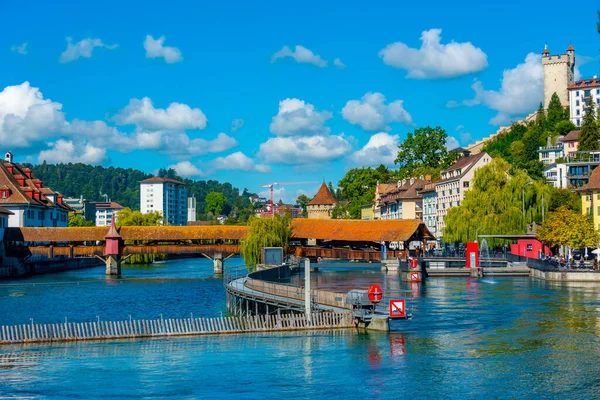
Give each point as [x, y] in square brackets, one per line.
[375, 294]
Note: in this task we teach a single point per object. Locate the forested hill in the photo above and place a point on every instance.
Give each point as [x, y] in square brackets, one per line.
[122, 185]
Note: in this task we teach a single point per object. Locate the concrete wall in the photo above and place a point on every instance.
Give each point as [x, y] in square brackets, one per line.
[565, 276]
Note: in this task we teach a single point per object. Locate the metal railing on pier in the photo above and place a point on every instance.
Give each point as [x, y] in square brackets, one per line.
[130, 329]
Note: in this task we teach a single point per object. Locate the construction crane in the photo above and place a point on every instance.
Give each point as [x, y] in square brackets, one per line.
[270, 186]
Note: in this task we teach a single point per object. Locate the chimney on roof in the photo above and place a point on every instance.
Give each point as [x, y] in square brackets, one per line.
[8, 157]
[27, 172]
[412, 180]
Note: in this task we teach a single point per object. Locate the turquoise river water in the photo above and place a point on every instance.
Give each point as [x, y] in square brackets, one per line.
[474, 339]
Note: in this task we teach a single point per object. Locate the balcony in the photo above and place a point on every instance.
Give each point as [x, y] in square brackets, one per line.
[551, 148]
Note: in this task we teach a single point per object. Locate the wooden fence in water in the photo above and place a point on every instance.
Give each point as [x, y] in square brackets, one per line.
[129, 329]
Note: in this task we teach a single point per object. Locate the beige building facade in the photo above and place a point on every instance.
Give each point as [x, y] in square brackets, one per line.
[455, 181]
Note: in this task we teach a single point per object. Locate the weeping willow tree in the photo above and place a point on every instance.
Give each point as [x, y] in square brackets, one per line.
[494, 205]
[265, 232]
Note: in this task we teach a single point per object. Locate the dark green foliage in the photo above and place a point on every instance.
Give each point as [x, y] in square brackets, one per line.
[564, 127]
[589, 137]
[358, 188]
[122, 185]
[556, 111]
[76, 221]
[265, 232]
[564, 197]
[424, 148]
[303, 201]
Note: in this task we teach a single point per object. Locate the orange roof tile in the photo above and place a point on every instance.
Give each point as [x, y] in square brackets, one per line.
[359, 230]
[323, 196]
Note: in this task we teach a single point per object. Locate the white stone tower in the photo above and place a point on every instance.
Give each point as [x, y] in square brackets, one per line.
[559, 73]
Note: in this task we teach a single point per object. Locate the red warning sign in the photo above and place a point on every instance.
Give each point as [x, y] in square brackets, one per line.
[414, 276]
[375, 293]
[397, 309]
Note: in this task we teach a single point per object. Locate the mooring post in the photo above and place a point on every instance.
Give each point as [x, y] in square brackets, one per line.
[307, 289]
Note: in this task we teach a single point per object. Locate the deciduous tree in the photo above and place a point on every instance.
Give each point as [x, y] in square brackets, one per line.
[494, 204]
[564, 227]
[265, 232]
[76, 221]
[129, 217]
[425, 147]
[215, 202]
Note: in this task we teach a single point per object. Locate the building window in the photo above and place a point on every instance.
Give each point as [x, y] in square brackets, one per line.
[577, 93]
[586, 93]
[578, 112]
[578, 122]
[598, 210]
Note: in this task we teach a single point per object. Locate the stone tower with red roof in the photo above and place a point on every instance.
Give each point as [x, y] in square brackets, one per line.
[321, 205]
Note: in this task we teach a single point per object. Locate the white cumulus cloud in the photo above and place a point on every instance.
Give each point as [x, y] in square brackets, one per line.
[83, 48]
[451, 143]
[299, 150]
[155, 48]
[186, 168]
[181, 145]
[65, 151]
[296, 117]
[434, 59]
[301, 55]
[371, 113]
[19, 48]
[239, 161]
[520, 93]
[382, 148]
[175, 117]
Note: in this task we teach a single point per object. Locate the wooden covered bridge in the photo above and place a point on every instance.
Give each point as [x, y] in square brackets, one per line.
[343, 239]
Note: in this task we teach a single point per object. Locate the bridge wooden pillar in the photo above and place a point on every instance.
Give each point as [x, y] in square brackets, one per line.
[113, 250]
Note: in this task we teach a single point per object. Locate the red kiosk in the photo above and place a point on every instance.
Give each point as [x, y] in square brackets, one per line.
[472, 255]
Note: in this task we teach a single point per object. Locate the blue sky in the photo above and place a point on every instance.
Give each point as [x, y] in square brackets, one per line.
[257, 92]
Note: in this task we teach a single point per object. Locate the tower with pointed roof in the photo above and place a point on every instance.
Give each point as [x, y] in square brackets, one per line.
[559, 73]
[322, 204]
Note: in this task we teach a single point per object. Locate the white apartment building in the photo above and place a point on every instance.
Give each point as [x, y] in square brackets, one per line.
[556, 175]
[454, 182]
[430, 207]
[167, 196]
[105, 211]
[579, 92]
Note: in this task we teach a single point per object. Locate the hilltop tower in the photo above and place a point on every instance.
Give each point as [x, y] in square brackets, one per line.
[559, 73]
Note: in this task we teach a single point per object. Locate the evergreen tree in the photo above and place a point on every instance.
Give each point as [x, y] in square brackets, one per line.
[541, 120]
[556, 112]
[589, 137]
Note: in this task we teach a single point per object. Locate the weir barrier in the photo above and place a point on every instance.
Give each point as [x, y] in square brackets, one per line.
[132, 329]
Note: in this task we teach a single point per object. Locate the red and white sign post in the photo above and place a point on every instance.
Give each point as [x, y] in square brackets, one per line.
[397, 309]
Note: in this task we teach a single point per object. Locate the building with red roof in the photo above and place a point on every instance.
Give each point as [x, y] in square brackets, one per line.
[28, 201]
[322, 204]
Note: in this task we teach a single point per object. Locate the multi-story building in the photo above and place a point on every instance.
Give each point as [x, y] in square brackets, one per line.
[191, 209]
[590, 197]
[82, 207]
[30, 202]
[455, 181]
[105, 211]
[556, 175]
[322, 204]
[570, 144]
[380, 190]
[405, 201]
[579, 93]
[559, 74]
[430, 207]
[167, 196]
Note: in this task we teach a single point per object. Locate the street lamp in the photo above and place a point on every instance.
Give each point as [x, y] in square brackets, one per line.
[523, 197]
